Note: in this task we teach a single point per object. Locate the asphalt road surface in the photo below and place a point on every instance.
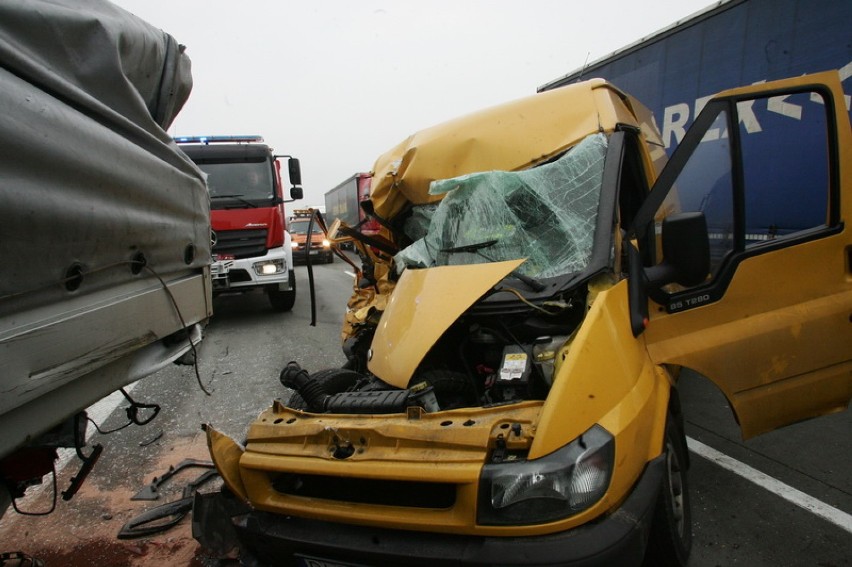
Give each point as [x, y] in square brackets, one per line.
[784, 498]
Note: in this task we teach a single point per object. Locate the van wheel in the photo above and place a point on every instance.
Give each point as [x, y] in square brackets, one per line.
[671, 531]
[332, 381]
[281, 300]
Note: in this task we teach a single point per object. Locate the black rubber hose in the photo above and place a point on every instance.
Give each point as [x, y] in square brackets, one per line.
[295, 377]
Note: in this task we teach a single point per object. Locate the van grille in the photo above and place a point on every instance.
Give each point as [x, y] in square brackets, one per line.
[367, 491]
[241, 243]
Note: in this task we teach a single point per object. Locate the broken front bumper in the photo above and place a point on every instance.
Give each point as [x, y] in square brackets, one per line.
[618, 539]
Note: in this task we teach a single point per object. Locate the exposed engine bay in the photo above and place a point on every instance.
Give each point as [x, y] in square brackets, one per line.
[496, 352]
[501, 342]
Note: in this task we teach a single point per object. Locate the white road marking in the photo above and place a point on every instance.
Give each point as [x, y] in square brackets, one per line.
[837, 517]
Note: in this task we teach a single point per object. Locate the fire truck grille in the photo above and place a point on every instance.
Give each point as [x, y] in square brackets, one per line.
[241, 243]
[368, 491]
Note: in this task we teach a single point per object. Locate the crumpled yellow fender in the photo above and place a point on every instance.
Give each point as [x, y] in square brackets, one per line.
[424, 304]
[226, 454]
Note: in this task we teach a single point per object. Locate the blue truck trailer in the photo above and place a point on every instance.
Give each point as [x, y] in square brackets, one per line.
[729, 44]
[733, 43]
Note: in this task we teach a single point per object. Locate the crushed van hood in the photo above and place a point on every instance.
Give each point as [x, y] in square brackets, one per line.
[426, 302]
[508, 137]
[514, 136]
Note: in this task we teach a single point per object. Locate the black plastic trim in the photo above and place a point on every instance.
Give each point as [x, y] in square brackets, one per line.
[620, 538]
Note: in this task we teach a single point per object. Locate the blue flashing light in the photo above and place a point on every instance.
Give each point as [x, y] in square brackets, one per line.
[214, 139]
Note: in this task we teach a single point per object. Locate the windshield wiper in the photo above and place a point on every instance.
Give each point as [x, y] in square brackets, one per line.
[471, 247]
[533, 283]
[237, 197]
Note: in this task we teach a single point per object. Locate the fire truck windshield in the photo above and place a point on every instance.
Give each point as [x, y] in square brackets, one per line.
[248, 180]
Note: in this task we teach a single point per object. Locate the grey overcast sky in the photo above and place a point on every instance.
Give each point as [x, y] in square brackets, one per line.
[336, 82]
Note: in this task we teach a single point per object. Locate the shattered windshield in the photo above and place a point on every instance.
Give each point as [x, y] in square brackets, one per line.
[546, 214]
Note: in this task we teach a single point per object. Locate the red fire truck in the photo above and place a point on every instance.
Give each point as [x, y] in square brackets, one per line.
[251, 245]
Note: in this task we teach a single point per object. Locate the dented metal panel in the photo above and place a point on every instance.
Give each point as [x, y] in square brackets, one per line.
[431, 301]
[104, 223]
[508, 137]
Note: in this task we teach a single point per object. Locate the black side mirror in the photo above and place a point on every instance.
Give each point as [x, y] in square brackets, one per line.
[686, 260]
[686, 252]
[296, 193]
[295, 172]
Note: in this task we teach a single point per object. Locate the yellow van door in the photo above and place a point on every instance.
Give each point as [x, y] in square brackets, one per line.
[770, 169]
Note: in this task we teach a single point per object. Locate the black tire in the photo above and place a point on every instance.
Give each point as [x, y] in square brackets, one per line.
[332, 381]
[282, 300]
[670, 540]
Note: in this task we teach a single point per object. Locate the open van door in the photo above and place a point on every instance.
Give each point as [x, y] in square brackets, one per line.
[771, 324]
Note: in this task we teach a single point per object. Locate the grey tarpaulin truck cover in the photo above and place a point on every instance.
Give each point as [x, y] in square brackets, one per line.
[99, 210]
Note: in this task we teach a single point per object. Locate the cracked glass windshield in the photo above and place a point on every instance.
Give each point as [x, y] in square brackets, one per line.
[546, 214]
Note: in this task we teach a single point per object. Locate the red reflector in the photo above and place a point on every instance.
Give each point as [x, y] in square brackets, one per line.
[223, 256]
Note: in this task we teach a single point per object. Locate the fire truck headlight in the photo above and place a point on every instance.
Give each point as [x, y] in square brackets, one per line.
[269, 268]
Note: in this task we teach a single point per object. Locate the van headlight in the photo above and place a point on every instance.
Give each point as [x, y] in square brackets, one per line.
[555, 486]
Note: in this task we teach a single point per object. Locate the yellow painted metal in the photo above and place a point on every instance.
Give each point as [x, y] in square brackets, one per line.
[226, 455]
[448, 447]
[597, 378]
[513, 136]
[455, 436]
[779, 357]
[605, 377]
[424, 304]
[604, 365]
[779, 343]
[509, 137]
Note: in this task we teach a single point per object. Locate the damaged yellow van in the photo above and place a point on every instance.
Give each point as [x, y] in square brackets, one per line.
[515, 337]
